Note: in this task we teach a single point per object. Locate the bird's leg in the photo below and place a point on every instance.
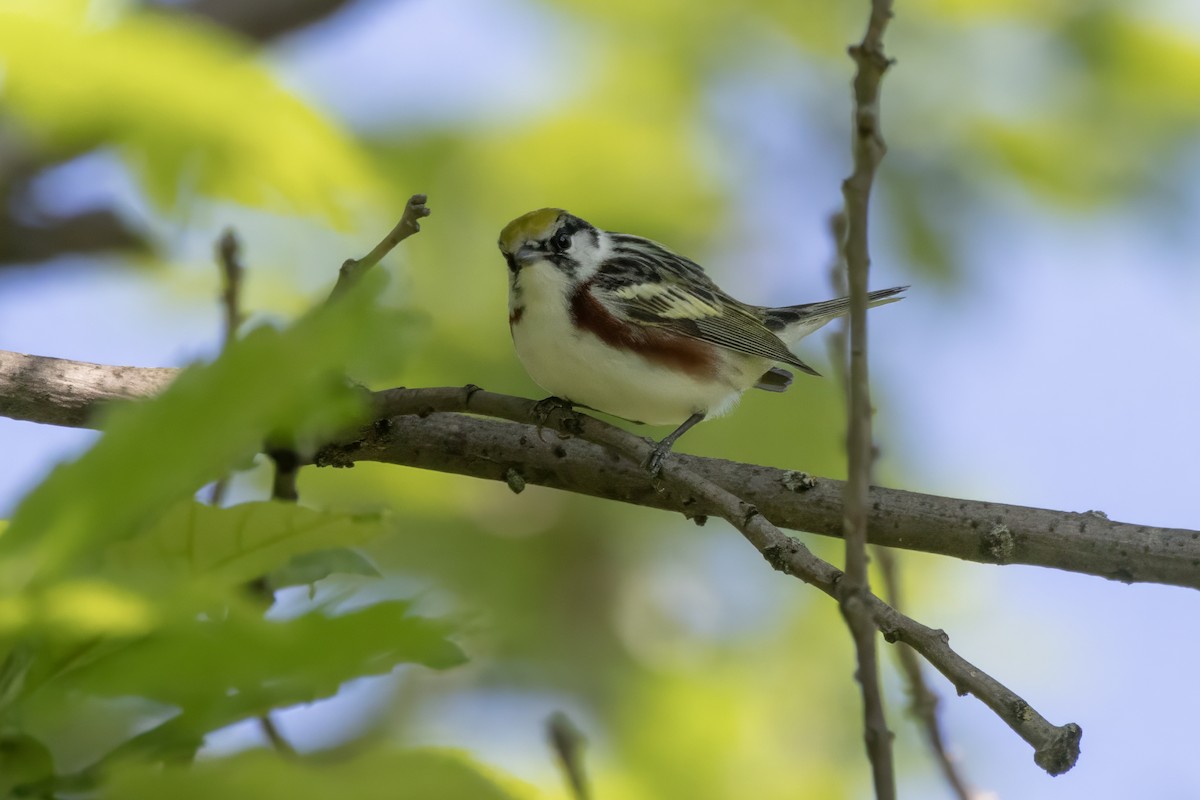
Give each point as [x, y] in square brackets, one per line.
[659, 453]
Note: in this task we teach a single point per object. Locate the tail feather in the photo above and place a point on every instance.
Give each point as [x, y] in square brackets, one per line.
[774, 380]
[793, 323]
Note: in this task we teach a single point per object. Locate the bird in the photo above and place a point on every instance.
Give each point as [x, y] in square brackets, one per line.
[621, 324]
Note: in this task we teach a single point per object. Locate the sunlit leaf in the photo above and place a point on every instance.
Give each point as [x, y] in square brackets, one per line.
[378, 775]
[77, 609]
[221, 670]
[189, 107]
[1044, 11]
[1148, 70]
[243, 542]
[156, 453]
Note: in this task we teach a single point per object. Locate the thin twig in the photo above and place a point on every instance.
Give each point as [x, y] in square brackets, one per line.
[353, 269]
[836, 338]
[868, 148]
[287, 465]
[229, 260]
[286, 461]
[1056, 748]
[271, 731]
[925, 701]
[567, 743]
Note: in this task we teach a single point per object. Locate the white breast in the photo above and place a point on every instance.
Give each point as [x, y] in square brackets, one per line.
[577, 365]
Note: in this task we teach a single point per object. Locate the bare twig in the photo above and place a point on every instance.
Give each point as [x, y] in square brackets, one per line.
[229, 260]
[287, 461]
[1056, 748]
[54, 391]
[925, 701]
[868, 150]
[567, 743]
[273, 735]
[836, 338]
[410, 222]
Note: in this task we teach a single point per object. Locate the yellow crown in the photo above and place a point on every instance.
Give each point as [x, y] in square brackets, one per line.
[534, 226]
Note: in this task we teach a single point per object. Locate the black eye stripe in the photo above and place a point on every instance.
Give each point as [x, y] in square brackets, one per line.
[568, 226]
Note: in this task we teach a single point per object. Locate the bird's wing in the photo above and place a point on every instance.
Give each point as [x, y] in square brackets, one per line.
[683, 300]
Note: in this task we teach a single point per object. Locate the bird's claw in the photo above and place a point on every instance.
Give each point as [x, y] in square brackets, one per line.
[568, 423]
[656, 459]
[542, 409]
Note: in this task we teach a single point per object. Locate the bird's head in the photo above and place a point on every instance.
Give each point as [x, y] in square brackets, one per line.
[555, 239]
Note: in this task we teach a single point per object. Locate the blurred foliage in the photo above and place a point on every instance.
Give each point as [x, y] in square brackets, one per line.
[283, 385]
[189, 109]
[115, 586]
[379, 775]
[128, 636]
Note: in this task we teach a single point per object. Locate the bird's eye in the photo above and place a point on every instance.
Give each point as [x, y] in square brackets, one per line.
[561, 241]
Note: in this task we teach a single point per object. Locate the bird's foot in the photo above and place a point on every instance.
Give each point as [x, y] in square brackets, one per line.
[658, 456]
[567, 424]
[542, 409]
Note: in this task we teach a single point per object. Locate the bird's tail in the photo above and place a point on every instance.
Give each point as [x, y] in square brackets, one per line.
[793, 323]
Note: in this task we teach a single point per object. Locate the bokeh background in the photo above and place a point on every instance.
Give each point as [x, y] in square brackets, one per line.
[1039, 193]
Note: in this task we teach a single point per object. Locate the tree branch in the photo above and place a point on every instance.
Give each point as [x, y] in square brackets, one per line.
[54, 391]
[261, 20]
[868, 148]
[100, 231]
[1056, 748]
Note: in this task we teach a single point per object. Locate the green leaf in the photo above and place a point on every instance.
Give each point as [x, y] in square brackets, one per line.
[23, 760]
[222, 670]
[181, 101]
[1057, 158]
[156, 453]
[1146, 68]
[237, 544]
[309, 568]
[378, 775]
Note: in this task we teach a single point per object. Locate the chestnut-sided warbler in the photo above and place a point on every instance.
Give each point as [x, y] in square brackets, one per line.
[621, 324]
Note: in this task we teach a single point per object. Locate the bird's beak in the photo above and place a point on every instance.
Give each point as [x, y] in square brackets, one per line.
[526, 254]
